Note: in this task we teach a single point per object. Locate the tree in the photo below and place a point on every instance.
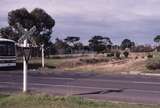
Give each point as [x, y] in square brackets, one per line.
[37, 17]
[86, 48]
[100, 43]
[61, 47]
[78, 46]
[126, 43]
[143, 48]
[8, 33]
[118, 54]
[72, 41]
[126, 54]
[157, 39]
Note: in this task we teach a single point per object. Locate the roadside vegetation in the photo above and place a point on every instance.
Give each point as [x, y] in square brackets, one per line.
[153, 62]
[99, 63]
[45, 101]
[99, 55]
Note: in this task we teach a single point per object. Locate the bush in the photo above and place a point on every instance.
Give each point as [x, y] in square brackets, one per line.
[126, 53]
[153, 63]
[150, 56]
[136, 57]
[143, 57]
[118, 54]
[94, 60]
[110, 54]
[142, 48]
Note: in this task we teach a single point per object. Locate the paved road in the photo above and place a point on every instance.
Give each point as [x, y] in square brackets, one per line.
[129, 88]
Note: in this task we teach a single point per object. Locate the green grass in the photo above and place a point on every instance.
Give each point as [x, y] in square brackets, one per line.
[36, 63]
[48, 62]
[3, 96]
[44, 101]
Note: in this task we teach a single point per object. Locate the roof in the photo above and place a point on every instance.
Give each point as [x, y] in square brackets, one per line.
[9, 40]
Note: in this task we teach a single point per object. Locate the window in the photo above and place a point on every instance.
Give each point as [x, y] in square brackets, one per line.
[7, 49]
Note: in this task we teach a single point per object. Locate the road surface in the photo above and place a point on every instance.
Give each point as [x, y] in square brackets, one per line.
[127, 88]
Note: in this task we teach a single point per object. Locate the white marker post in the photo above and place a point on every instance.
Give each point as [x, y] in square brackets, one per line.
[24, 69]
[42, 48]
[26, 55]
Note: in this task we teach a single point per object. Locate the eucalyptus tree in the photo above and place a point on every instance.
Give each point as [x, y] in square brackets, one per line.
[37, 17]
[72, 41]
[126, 43]
[99, 43]
[157, 39]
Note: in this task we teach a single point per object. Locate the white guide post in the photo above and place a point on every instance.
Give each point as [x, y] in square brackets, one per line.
[24, 40]
[24, 69]
[42, 56]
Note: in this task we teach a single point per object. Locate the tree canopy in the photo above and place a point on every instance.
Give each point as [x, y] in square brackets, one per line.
[126, 43]
[71, 40]
[99, 43]
[8, 33]
[157, 39]
[61, 46]
[37, 17]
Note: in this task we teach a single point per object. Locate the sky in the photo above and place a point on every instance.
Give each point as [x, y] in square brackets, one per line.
[138, 20]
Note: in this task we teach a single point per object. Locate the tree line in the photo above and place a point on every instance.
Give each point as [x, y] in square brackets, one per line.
[71, 44]
[98, 44]
[37, 17]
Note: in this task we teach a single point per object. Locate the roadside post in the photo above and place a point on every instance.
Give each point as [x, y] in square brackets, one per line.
[42, 49]
[26, 50]
[25, 67]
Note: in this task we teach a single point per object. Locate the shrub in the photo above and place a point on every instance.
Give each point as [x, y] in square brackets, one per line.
[143, 57]
[153, 63]
[150, 56]
[110, 54]
[126, 53]
[142, 48]
[136, 57]
[118, 54]
[94, 60]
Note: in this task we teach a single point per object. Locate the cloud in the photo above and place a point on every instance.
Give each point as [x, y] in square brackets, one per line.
[134, 19]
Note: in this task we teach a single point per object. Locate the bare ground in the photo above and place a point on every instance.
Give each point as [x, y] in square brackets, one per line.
[102, 64]
[135, 63]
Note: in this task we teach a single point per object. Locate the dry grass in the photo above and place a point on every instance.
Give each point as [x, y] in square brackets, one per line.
[116, 66]
[137, 65]
[112, 66]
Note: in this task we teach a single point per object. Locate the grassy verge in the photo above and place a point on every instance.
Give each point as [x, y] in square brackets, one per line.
[51, 63]
[82, 65]
[43, 101]
[35, 63]
[2, 97]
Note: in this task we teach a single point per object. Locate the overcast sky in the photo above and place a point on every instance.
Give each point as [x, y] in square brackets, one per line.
[138, 20]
